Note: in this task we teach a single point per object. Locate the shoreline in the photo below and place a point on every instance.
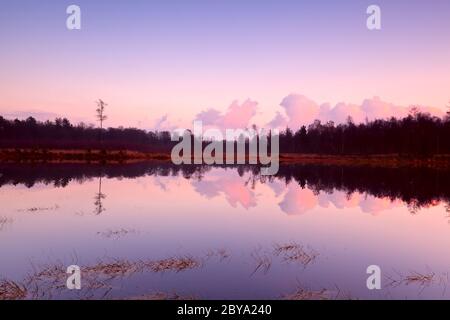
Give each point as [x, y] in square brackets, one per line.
[33, 156]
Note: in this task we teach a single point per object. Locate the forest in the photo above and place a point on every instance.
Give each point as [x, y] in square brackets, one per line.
[418, 134]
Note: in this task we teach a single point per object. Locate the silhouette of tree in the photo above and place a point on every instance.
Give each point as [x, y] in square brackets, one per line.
[101, 115]
[101, 112]
[418, 134]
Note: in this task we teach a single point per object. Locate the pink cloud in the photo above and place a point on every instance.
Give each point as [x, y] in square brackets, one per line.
[163, 124]
[300, 110]
[279, 121]
[297, 110]
[236, 116]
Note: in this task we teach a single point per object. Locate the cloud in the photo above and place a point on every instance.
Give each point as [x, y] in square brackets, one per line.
[209, 117]
[300, 110]
[279, 121]
[296, 110]
[235, 117]
[163, 124]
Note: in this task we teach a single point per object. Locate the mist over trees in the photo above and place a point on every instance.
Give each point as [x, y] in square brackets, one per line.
[418, 134]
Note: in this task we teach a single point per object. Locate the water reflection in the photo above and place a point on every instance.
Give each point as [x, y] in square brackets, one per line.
[224, 232]
[302, 187]
[99, 197]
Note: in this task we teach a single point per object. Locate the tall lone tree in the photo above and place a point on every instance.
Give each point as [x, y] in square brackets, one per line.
[101, 115]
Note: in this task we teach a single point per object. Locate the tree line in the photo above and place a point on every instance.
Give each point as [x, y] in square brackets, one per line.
[418, 134]
[61, 134]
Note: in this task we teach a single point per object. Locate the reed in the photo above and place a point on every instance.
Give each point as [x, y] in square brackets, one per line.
[294, 252]
[10, 290]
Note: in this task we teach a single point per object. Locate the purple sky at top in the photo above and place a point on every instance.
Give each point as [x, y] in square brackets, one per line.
[179, 58]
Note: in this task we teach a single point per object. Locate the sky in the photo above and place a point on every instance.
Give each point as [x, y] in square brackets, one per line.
[162, 64]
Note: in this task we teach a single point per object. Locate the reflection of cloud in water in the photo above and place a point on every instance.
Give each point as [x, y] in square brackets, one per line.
[367, 203]
[294, 199]
[298, 201]
[277, 186]
[373, 205]
[230, 185]
[157, 181]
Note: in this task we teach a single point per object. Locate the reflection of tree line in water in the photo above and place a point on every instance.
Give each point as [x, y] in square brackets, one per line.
[418, 187]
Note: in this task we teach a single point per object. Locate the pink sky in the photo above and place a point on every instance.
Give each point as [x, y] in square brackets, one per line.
[242, 64]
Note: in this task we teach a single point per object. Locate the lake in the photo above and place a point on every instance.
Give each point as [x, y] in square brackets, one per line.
[159, 231]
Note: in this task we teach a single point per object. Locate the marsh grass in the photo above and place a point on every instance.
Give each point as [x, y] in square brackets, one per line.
[46, 281]
[4, 222]
[38, 209]
[421, 279]
[162, 296]
[306, 294]
[176, 264]
[295, 253]
[116, 234]
[263, 261]
[10, 290]
[32, 155]
[114, 268]
[222, 254]
[414, 277]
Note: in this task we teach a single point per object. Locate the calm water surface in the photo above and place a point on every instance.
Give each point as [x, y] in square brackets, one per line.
[310, 228]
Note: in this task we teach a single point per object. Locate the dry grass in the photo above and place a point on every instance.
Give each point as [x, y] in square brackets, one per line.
[222, 254]
[128, 156]
[4, 222]
[161, 296]
[294, 252]
[422, 279]
[37, 209]
[305, 294]
[48, 281]
[10, 290]
[79, 156]
[54, 272]
[116, 234]
[114, 268]
[176, 264]
[263, 262]
[414, 277]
